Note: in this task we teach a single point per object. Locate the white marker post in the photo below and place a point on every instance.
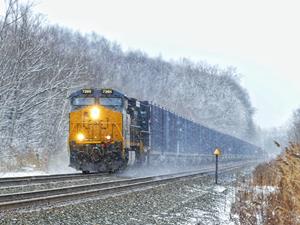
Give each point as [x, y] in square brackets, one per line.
[217, 152]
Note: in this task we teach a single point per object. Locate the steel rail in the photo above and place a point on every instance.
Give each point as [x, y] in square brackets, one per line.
[11, 181]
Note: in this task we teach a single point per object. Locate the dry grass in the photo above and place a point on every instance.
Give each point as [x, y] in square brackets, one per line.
[257, 203]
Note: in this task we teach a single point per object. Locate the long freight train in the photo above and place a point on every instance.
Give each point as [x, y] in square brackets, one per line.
[109, 130]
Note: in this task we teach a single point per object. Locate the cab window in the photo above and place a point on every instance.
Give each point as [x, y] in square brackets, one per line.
[83, 101]
[111, 101]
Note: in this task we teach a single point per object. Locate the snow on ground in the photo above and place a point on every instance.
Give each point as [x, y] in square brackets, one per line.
[31, 171]
[22, 174]
[215, 211]
[219, 188]
[266, 190]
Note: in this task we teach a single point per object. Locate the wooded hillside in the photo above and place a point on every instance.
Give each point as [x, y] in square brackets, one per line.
[41, 64]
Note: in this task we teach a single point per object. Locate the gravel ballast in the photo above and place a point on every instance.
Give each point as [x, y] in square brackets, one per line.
[188, 201]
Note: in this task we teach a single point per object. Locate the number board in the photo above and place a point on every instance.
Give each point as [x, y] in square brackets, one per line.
[107, 91]
[87, 91]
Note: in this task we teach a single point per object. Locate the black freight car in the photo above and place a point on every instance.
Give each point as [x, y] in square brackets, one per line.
[172, 135]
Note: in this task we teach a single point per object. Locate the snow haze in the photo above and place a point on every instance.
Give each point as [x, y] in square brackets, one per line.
[260, 38]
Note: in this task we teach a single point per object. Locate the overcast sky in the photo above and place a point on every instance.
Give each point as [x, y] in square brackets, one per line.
[259, 37]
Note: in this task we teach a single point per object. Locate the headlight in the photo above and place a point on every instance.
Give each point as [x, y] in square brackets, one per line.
[80, 137]
[108, 137]
[95, 113]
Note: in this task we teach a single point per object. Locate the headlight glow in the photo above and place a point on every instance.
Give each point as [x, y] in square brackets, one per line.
[108, 137]
[80, 137]
[95, 113]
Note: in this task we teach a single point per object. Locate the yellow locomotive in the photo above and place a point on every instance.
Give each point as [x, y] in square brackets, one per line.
[107, 130]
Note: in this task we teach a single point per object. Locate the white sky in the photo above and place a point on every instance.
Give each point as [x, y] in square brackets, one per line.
[259, 37]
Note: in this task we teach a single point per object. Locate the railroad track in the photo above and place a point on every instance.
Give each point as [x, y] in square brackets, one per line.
[34, 198]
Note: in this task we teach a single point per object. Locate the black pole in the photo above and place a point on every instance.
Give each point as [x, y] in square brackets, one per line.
[148, 157]
[216, 169]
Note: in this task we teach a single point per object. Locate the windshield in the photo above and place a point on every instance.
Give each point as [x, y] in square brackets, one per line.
[83, 101]
[111, 101]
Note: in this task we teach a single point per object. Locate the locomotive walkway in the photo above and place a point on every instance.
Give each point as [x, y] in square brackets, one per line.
[77, 192]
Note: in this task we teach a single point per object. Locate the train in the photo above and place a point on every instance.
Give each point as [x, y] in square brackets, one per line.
[109, 131]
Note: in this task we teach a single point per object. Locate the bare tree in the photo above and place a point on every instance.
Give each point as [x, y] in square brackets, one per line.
[294, 131]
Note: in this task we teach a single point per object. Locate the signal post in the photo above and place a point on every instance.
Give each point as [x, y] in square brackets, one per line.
[217, 153]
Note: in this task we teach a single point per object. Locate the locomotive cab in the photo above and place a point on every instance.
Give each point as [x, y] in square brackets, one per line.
[107, 130]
